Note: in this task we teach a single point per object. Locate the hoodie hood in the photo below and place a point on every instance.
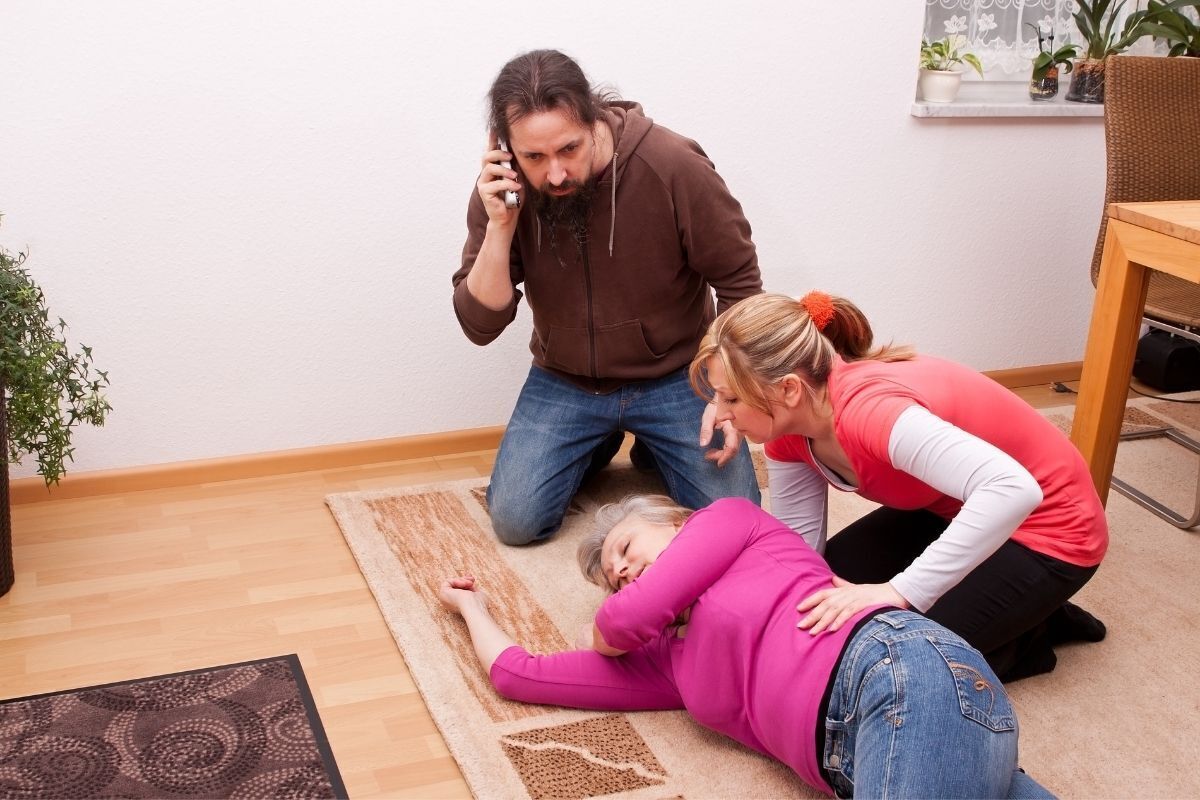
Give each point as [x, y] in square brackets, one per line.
[629, 125]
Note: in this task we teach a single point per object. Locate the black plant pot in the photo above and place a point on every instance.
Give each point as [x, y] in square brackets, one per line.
[6, 551]
[1087, 81]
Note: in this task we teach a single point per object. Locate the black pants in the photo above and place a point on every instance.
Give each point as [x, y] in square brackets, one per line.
[1003, 607]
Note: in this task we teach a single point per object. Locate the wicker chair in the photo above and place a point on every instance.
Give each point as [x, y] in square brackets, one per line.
[1152, 136]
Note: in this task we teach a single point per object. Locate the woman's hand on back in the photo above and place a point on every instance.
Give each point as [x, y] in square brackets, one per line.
[829, 609]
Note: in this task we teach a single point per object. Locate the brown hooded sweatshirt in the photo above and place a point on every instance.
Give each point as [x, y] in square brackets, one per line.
[633, 301]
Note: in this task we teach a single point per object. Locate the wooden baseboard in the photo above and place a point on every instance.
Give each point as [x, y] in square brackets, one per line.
[1066, 372]
[258, 465]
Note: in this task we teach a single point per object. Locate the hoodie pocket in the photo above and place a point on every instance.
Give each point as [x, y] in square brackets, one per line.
[621, 349]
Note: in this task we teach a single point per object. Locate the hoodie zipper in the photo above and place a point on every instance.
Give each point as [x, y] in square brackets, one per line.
[591, 323]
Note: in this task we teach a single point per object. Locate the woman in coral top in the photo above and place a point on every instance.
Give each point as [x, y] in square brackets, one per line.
[889, 705]
[989, 520]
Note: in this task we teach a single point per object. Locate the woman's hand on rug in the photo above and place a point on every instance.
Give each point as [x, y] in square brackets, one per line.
[457, 591]
[829, 609]
[462, 596]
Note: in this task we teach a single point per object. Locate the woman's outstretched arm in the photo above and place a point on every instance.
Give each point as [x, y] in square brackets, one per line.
[573, 678]
[461, 596]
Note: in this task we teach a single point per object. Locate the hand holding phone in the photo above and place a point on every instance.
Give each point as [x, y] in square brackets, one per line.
[511, 199]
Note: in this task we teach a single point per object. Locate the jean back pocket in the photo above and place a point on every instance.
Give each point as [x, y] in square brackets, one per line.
[980, 695]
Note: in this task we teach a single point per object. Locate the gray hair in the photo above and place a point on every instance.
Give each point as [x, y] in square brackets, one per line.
[655, 508]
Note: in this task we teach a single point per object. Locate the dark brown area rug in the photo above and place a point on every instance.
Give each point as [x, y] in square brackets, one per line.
[245, 730]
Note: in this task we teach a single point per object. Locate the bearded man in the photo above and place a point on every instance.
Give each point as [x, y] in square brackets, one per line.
[622, 234]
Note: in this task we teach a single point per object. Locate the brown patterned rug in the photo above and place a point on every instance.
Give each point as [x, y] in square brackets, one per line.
[1143, 462]
[1141, 414]
[246, 730]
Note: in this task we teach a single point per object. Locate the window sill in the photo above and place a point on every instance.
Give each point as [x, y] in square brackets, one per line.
[1005, 99]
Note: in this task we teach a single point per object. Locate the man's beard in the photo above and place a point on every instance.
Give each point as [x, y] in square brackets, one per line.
[569, 211]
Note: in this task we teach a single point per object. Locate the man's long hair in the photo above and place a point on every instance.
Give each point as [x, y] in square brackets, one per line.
[543, 80]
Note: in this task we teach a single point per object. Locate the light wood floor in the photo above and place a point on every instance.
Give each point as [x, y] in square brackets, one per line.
[144, 583]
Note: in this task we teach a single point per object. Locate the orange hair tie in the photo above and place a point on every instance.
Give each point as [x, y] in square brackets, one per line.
[819, 307]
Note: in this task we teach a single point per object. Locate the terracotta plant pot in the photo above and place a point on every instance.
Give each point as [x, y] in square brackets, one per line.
[939, 86]
[1087, 81]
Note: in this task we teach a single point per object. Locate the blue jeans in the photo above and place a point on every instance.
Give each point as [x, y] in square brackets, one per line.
[556, 427]
[915, 711]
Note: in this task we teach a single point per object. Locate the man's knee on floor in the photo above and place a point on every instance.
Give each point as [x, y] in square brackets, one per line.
[516, 523]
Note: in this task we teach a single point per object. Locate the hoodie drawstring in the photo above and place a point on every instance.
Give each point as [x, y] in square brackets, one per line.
[612, 226]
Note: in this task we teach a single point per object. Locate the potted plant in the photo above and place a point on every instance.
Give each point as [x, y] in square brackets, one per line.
[1043, 83]
[45, 389]
[941, 73]
[1097, 24]
[1181, 33]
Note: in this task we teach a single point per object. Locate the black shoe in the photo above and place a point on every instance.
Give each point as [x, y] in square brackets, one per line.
[1070, 623]
[1035, 662]
[643, 460]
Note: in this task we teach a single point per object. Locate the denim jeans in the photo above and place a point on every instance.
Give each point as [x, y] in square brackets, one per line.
[915, 711]
[556, 426]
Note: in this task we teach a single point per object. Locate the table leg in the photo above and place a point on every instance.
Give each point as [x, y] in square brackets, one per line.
[1108, 360]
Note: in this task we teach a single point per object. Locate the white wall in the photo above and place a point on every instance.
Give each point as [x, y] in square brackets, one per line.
[251, 210]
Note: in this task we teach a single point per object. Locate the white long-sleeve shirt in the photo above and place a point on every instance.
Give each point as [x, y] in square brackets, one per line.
[997, 495]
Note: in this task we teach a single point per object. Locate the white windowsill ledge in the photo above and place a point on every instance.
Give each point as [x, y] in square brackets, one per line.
[1006, 99]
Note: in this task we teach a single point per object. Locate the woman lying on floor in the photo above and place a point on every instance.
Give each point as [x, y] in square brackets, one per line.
[890, 704]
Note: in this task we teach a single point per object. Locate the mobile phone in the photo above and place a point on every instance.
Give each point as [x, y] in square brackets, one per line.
[511, 199]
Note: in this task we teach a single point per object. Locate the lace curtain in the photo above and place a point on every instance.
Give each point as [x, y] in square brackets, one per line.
[996, 30]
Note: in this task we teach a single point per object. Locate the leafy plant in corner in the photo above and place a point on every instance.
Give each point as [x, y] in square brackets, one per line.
[942, 54]
[1167, 22]
[1097, 24]
[1048, 58]
[46, 390]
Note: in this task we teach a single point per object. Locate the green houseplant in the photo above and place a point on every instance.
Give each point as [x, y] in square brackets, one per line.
[45, 389]
[1043, 83]
[1097, 24]
[1166, 21]
[941, 73]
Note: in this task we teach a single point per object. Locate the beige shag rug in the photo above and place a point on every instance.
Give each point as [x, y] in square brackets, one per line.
[1116, 719]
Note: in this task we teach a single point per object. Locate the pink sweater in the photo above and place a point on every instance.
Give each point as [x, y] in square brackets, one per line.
[742, 667]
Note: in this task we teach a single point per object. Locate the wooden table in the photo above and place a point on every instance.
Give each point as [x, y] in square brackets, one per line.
[1141, 237]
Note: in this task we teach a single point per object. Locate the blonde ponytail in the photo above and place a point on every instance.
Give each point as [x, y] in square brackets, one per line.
[768, 336]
